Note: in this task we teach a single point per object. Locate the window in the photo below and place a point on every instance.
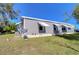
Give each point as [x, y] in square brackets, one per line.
[64, 29]
[41, 29]
[69, 28]
[55, 29]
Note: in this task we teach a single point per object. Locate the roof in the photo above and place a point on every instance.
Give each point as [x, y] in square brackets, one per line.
[31, 18]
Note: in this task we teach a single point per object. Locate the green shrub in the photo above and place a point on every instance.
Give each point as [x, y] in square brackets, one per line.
[7, 28]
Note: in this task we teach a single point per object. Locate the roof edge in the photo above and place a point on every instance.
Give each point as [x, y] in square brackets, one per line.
[46, 20]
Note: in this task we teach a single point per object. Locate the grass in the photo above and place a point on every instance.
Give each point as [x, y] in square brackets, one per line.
[52, 45]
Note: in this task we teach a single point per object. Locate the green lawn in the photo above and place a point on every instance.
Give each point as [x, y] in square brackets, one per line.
[53, 45]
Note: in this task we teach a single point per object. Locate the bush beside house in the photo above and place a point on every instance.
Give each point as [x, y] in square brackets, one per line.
[10, 28]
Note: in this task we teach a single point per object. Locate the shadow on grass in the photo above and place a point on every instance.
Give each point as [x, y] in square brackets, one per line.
[67, 46]
[70, 36]
[70, 47]
[6, 33]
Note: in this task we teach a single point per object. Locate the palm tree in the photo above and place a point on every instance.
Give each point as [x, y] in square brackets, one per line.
[75, 13]
[7, 12]
[10, 11]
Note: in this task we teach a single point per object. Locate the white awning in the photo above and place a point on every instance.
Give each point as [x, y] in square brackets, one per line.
[67, 26]
[56, 24]
[43, 24]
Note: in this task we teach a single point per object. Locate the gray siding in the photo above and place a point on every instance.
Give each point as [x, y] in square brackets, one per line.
[32, 27]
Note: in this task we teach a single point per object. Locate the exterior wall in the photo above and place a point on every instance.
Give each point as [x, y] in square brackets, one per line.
[32, 28]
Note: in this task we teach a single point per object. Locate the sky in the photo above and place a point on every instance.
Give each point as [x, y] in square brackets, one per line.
[49, 11]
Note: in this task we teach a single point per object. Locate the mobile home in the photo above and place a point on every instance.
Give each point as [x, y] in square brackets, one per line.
[34, 27]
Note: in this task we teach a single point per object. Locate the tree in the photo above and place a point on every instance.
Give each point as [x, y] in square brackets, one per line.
[7, 12]
[75, 13]
[10, 11]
